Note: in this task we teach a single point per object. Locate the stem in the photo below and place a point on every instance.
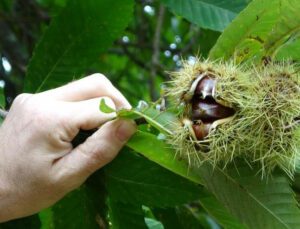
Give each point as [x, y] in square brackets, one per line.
[156, 51]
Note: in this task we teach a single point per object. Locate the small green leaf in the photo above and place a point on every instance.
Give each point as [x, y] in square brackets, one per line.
[153, 224]
[105, 108]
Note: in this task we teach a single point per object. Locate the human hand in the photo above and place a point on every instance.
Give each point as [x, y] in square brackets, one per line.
[38, 164]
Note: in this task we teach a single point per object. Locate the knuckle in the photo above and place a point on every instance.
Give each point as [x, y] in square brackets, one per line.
[101, 79]
[22, 98]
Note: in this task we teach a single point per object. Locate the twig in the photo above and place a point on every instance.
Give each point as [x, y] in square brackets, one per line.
[156, 51]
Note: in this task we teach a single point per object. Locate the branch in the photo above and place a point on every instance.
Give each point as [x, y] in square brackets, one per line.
[156, 51]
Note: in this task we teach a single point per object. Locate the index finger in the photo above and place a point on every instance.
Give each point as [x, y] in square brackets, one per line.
[93, 86]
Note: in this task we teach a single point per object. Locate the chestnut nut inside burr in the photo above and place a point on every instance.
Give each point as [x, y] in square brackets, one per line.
[205, 110]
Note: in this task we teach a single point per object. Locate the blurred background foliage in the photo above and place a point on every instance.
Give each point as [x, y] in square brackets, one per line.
[160, 34]
[153, 44]
[47, 43]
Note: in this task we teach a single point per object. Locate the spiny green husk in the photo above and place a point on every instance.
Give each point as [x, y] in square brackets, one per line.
[263, 129]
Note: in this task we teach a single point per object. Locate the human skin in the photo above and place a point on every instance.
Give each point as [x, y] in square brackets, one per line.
[38, 164]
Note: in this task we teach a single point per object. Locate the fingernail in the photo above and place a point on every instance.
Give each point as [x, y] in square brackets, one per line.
[126, 129]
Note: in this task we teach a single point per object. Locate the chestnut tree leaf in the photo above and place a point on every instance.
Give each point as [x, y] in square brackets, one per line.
[126, 216]
[163, 121]
[74, 40]
[131, 178]
[210, 14]
[254, 201]
[245, 37]
[161, 153]
[286, 30]
[264, 29]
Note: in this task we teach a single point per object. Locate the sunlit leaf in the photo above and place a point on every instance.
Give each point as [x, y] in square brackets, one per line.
[105, 108]
[163, 121]
[158, 151]
[245, 37]
[211, 14]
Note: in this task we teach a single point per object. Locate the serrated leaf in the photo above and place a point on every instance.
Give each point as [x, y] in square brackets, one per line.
[74, 40]
[105, 108]
[82, 208]
[263, 29]
[189, 218]
[211, 14]
[217, 210]
[135, 180]
[162, 121]
[159, 152]
[245, 37]
[156, 150]
[126, 216]
[289, 51]
[76, 210]
[255, 202]
[288, 27]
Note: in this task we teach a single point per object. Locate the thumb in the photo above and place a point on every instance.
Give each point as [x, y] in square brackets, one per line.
[98, 150]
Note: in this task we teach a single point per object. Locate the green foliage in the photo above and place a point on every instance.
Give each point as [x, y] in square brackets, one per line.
[77, 210]
[147, 183]
[32, 222]
[209, 14]
[74, 41]
[256, 201]
[264, 29]
[80, 40]
[105, 108]
[126, 216]
[2, 98]
[2, 102]
[162, 121]
[157, 151]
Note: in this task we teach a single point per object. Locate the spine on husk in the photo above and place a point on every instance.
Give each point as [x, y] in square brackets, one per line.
[230, 111]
